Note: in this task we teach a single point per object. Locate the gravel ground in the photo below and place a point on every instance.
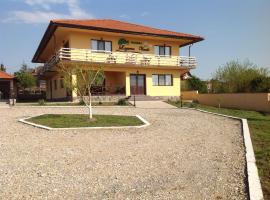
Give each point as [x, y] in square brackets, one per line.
[183, 154]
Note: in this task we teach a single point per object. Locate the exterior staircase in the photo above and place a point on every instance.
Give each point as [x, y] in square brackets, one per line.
[144, 98]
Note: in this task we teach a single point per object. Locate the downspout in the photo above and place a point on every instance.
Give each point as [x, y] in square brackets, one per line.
[51, 88]
[189, 47]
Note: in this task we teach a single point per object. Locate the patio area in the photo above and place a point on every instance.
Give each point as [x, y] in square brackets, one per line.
[183, 154]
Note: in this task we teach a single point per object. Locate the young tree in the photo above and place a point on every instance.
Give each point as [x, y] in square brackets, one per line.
[86, 77]
[2, 67]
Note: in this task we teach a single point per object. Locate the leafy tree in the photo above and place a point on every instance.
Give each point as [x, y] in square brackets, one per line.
[260, 84]
[25, 79]
[86, 77]
[235, 76]
[24, 68]
[2, 67]
[195, 83]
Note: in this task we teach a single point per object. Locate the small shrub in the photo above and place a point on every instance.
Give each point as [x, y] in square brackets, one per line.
[122, 102]
[81, 102]
[193, 105]
[99, 103]
[190, 104]
[41, 102]
[177, 102]
[195, 101]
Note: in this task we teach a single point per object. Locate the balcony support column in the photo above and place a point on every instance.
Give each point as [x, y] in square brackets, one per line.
[74, 92]
[127, 84]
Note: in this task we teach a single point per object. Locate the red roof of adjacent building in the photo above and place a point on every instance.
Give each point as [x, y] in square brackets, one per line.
[124, 26]
[4, 75]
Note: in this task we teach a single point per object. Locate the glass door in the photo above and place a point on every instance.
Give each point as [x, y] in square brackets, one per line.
[137, 84]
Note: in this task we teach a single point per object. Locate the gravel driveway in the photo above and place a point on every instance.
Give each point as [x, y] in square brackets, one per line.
[183, 154]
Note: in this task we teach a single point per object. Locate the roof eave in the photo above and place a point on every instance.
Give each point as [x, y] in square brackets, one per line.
[192, 42]
[46, 37]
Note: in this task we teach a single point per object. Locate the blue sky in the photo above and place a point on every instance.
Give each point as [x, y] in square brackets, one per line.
[233, 29]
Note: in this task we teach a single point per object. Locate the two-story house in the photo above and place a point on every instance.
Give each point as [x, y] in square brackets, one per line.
[136, 59]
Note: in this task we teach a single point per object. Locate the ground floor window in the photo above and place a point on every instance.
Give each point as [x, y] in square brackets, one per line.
[162, 79]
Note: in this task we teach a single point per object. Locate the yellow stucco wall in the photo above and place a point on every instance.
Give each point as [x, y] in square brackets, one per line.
[151, 90]
[245, 101]
[58, 93]
[82, 40]
[120, 76]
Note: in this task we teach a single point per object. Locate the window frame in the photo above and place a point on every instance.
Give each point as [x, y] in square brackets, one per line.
[159, 50]
[101, 50]
[165, 79]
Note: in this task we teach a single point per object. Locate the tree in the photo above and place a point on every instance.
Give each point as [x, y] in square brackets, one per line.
[24, 68]
[260, 84]
[235, 76]
[195, 83]
[2, 67]
[86, 77]
[25, 79]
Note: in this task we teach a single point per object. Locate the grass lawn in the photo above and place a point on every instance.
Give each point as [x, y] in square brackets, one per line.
[259, 124]
[81, 120]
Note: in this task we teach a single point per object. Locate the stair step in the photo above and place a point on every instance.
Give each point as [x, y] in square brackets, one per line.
[144, 98]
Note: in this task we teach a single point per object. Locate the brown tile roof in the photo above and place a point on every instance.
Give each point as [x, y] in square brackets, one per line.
[124, 26]
[4, 75]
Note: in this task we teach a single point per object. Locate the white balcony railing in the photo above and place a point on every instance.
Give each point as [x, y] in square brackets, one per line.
[94, 56]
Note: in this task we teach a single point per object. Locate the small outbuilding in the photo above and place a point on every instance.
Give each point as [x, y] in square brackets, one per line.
[7, 90]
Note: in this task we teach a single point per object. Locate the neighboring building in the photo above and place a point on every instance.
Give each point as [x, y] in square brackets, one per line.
[136, 59]
[185, 75]
[6, 85]
[40, 83]
[36, 92]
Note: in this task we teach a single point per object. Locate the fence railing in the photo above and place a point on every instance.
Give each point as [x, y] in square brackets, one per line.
[95, 56]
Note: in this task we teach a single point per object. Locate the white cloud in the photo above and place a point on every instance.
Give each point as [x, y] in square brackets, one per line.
[143, 14]
[44, 13]
[33, 17]
[124, 16]
[46, 4]
[76, 11]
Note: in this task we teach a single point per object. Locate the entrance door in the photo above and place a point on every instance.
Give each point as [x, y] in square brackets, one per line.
[137, 84]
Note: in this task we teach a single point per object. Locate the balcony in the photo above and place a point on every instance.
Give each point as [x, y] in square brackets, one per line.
[121, 58]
